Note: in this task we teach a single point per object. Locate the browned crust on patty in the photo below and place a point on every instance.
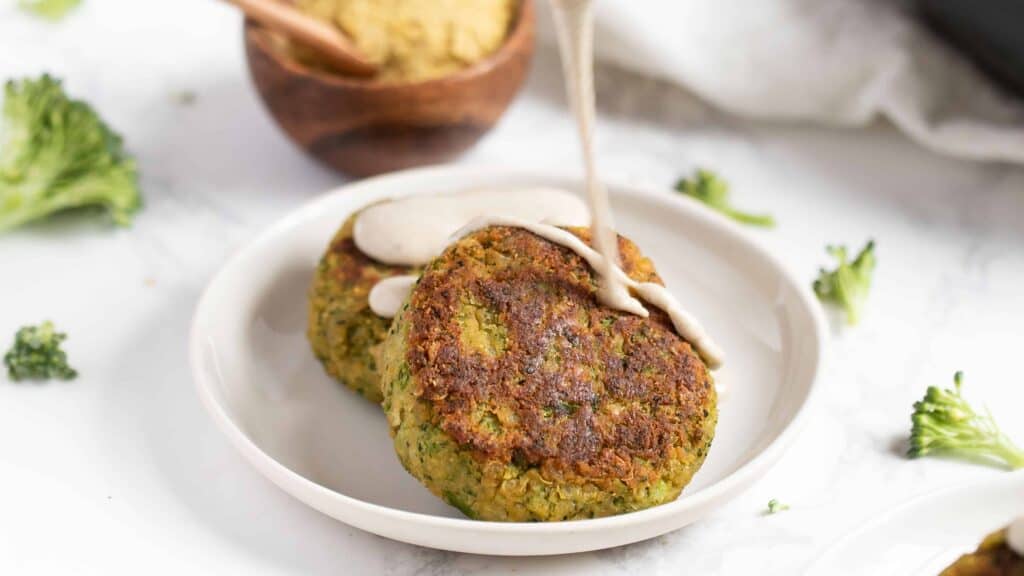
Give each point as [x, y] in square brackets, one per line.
[354, 269]
[993, 558]
[575, 387]
[342, 330]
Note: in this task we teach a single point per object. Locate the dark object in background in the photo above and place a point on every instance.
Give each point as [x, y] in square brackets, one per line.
[991, 32]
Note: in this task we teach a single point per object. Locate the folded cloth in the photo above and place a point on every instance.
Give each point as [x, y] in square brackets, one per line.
[842, 62]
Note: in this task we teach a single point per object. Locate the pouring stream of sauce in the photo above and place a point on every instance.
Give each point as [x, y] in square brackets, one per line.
[574, 24]
[413, 231]
[655, 294]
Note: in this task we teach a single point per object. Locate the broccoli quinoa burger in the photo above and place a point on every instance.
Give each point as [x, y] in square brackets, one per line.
[996, 556]
[342, 329]
[514, 395]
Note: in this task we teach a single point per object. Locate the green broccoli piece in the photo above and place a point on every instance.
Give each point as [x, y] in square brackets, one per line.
[848, 285]
[707, 187]
[58, 154]
[774, 506]
[944, 423]
[36, 354]
[49, 9]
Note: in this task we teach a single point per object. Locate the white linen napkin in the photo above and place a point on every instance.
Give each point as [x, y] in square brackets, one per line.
[839, 62]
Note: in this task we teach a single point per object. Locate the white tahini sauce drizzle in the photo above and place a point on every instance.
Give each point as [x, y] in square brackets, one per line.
[387, 295]
[574, 24]
[412, 231]
[654, 294]
[1015, 536]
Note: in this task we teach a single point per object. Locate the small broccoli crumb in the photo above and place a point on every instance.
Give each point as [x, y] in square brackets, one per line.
[774, 507]
[49, 9]
[57, 154]
[944, 423]
[185, 98]
[36, 355]
[848, 285]
[707, 187]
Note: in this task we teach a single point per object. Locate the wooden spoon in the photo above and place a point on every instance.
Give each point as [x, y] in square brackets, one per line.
[325, 39]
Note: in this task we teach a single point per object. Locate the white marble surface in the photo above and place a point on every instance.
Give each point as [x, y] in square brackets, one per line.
[121, 469]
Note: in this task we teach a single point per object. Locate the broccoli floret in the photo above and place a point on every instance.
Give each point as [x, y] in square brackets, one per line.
[774, 506]
[713, 191]
[36, 354]
[58, 154]
[944, 423]
[848, 285]
[49, 9]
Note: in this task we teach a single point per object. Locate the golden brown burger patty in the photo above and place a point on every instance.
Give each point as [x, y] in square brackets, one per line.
[546, 404]
[342, 330]
[992, 558]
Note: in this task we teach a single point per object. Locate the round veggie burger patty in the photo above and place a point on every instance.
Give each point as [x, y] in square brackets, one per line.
[342, 329]
[514, 395]
[994, 557]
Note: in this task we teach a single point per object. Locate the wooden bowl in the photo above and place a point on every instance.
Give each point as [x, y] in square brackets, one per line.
[365, 127]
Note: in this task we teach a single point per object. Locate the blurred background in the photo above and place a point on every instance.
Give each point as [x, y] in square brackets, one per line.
[846, 119]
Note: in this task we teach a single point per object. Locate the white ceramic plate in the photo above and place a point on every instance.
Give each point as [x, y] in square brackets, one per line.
[926, 535]
[330, 448]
